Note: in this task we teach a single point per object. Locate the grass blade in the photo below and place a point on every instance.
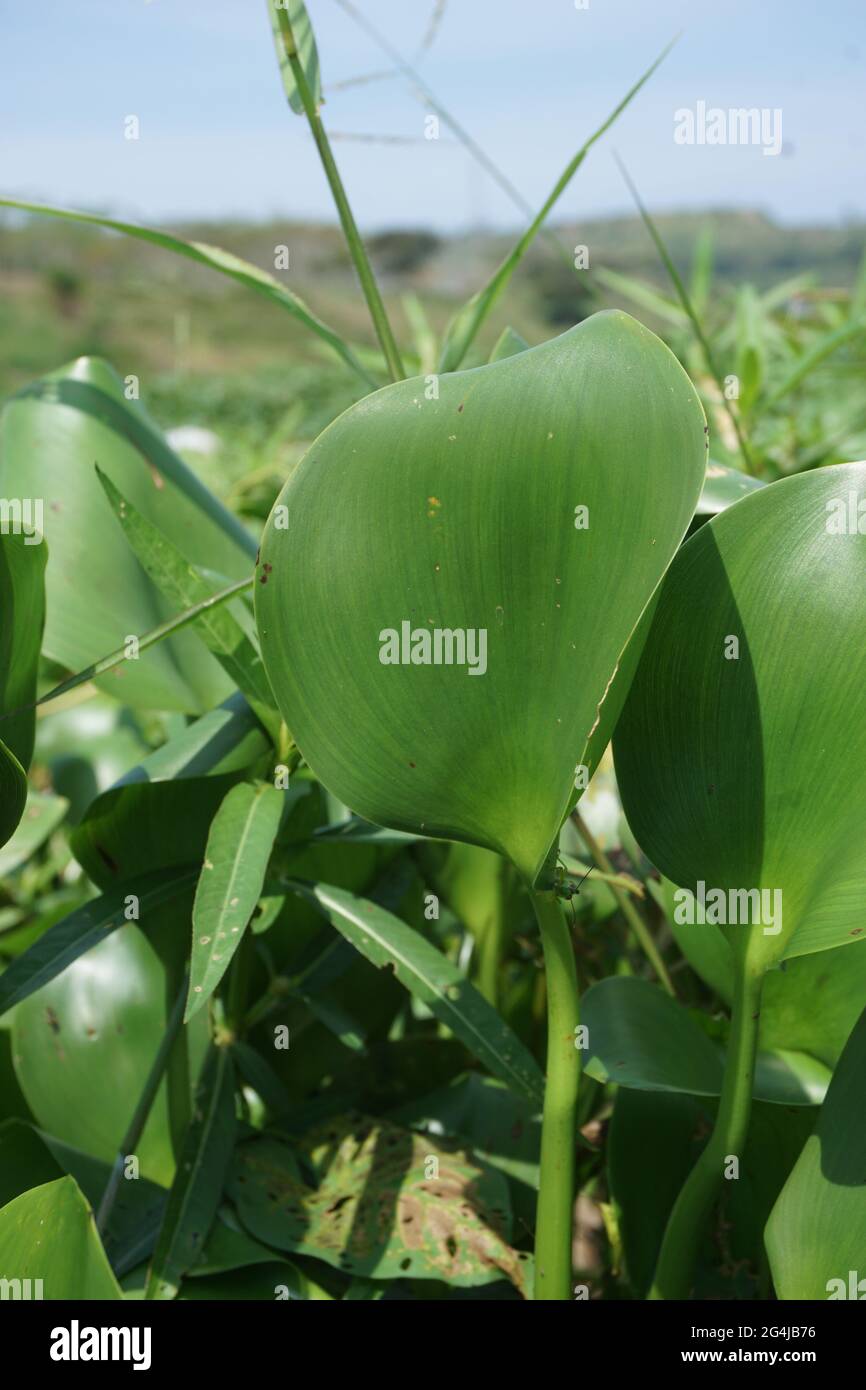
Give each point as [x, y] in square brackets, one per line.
[431, 103]
[468, 320]
[239, 846]
[215, 259]
[289, 44]
[685, 301]
[825, 345]
[508, 344]
[389, 943]
[646, 296]
[150, 639]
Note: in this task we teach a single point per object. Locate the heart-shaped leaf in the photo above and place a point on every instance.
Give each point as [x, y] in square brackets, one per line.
[449, 578]
[739, 758]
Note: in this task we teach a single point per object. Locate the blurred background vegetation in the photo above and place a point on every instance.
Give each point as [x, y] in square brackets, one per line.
[257, 388]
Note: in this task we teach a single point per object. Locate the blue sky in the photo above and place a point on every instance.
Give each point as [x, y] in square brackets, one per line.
[529, 81]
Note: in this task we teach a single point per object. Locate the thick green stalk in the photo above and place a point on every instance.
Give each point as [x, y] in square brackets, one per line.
[624, 903]
[553, 1231]
[688, 1220]
[145, 1102]
[350, 228]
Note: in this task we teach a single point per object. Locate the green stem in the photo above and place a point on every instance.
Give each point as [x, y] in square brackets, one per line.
[688, 1220]
[350, 228]
[129, 1143]
[553, 1231]
[625, 905]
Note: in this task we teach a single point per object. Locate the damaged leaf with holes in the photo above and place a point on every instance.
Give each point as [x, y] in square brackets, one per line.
[380, 1201]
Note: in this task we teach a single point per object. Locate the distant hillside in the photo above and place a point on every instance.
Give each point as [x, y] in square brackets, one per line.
[67, 289]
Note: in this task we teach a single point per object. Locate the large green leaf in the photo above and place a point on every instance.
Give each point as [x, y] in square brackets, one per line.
[51, 435]
[750, 773]
[201, 1171]
[84, 1044]
[816, 1234]
[239, 846]
[641, 1038]
[430, 976]
[67, 1257]
[459, 513]
[390, 1204]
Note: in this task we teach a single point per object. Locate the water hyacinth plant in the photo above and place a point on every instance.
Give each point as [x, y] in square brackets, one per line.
[348, 996]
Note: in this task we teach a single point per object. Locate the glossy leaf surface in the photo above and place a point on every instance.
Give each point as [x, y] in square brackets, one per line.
[459, 516]
[738, 758]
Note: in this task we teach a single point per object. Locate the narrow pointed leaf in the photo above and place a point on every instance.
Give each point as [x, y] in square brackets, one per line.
[22, 608]
[239, 845]
[84, 928]
[508, 344]
[305, 46]
[184, 586]
[425, 972]
[465, 325]
[197, 1188]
